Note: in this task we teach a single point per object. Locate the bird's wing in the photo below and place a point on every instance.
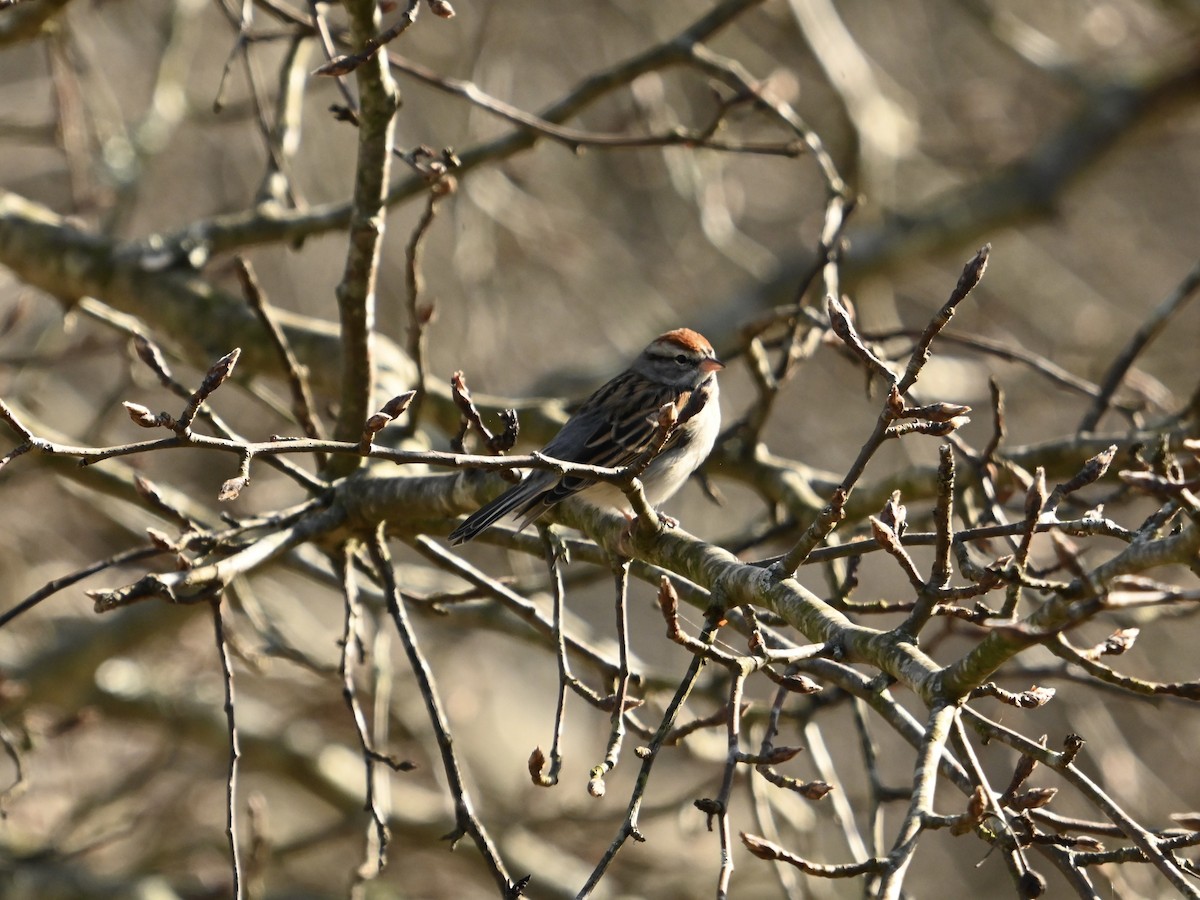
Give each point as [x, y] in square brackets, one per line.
[612, 428]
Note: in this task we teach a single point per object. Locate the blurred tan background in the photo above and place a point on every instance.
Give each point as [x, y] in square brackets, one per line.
[549, 271]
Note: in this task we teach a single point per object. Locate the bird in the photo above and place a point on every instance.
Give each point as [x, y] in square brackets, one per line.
[616, 425]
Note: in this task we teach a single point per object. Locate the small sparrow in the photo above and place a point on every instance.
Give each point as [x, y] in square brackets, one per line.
[616, 424]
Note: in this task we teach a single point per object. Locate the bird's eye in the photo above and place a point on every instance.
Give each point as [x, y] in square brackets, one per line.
[681, 359]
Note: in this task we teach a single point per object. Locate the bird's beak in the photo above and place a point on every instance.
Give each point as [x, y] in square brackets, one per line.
[711, 365]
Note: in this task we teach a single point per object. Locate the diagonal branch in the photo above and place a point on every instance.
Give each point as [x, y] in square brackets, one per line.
[1185, 291]
[467, 823]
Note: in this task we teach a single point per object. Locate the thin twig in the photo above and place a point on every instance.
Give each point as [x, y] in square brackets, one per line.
[466, 820]
[1147, 332]
[303, 407]
[150, 354]
[555, 553]
[1047, 368]
[1145, 841]
[893, 410]
[843, 809]
[596, 787]
[576, 139]
[378, 836]
[514, 603]
[937, 730]
[629, 827]
[231, 827]
[721, 804]
[420, 315]
[17, 786]
[971, 275]
[344, 65]
[1014, 853]
[52, 587]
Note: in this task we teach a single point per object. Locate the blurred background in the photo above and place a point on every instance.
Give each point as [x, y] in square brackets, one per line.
[1063, 133]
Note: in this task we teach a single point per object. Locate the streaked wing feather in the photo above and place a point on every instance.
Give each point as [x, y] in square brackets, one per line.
[617, 435]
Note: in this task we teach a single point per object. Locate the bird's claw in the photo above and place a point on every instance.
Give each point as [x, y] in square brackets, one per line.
[662, 522]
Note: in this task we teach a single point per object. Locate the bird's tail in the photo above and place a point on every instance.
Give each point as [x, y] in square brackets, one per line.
[515, 499]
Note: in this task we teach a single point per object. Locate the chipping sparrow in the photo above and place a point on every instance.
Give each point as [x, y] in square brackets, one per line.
[616, 424]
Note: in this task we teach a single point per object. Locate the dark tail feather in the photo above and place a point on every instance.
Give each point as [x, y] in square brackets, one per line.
[514, 499]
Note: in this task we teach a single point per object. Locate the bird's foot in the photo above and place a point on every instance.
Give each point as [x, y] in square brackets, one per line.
[662, 522]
